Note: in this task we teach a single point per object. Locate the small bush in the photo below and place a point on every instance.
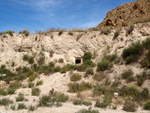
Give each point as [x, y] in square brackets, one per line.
[51, 53]
[25, 32]
[145, 93]
[87, 103]
[61, 60]
[31, 60]
[103, 104]
[31, 85]
[87, 56]
[89, 71]
[11, 91]
[141, 78]
[147, 105]
[146, 43]
[77, 102]
[45, 101]
[31, 78]
[70, 33]
[35, 92]
[3, 92]
[67, 67]
[5, 101]
[75, 77]
[88, 111]
[20, 97]
[132, 53]
[106, 32]
[15, 85]
[127, 75]
[103, 65]
[99, 77]
[61, 98]
[39, 83]
[129, 106]
[41, 60]
[60, 33]
[75, 87]
[21, 106]
[32, 108]
[9, 32]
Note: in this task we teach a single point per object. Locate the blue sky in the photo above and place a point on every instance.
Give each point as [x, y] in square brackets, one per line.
[40, 15]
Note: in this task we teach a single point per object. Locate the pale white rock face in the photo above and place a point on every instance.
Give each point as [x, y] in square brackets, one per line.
[12, 49]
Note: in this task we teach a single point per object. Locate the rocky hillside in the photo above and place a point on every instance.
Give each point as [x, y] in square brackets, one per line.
[38, 72]
[127, 15]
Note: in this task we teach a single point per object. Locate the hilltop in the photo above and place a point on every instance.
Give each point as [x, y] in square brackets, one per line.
[127, 15]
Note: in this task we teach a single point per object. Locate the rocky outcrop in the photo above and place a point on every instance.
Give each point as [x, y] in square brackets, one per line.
[127, 15]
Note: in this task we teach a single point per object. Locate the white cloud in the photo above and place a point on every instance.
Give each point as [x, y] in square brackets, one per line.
[38, 4]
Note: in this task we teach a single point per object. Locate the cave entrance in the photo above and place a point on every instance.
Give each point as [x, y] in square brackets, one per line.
[78, 60]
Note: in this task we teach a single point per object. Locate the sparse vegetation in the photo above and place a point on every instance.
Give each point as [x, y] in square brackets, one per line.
[106, 32]
[5, 101]
[9, 32]
[133, 52]
[88, 111]
[76, 87]
[147, 105]
[20, 97]
[128, 75]
[39, 83]
[75, 77]
[35, 92]
[103, 65]
[21, 106]
[129, 106]
[106, 102]
[25, 32]
[81, 102]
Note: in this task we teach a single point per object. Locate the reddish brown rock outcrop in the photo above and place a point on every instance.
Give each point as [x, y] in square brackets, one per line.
[127, 15]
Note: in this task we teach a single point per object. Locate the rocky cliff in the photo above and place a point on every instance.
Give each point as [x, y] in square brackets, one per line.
[127, 15]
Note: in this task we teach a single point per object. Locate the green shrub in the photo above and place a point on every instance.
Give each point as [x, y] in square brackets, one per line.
[103, 65]
[13, 107]
[101, 90]
[103, 104]
[146, 43]
[99, 76]
[61, 98]
[89, 71]
[32, 78]
[111, 58]
[129, 106]
[127, 75]
[70, 33]
[87, 64]
[75, 87]
[141, 78]
[9, 32]
[81, 102]
[106, 32]
[35, 92]
[61, 60]
[77, 102]
[20, 97]
[66, 68]
[15, 85]
[31, 85]
[147, 105]
[88, 111]
[25, 32]
[3, 92]
[21, 106]
[87, 56]
[133, 52]
[32, 108]
[75, 77]
[25, 57]
[45, 101]
[60, 33]
[39, 83]
[146, 61]
[11, 91]
[51, 53]
[145, 93]
[41, 60]
[5, 101]
[31, 60]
